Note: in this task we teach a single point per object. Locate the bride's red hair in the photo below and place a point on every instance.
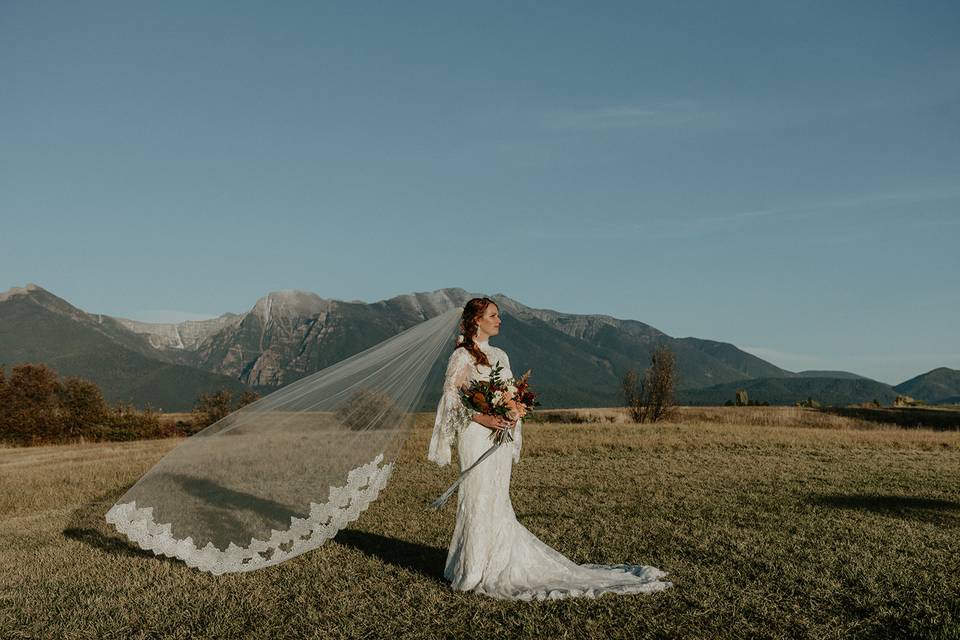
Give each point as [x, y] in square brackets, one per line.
[474, 309]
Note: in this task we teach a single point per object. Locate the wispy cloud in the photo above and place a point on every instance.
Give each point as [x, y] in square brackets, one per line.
[744, 115]
[686, 226]
[668, 114]
[832, 205]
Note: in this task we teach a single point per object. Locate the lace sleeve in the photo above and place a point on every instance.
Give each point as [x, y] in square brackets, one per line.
[452, 414]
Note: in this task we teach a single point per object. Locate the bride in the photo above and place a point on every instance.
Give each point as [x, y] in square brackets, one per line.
[491, 552]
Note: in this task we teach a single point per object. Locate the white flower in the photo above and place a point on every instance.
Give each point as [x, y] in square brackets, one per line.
[512, 389]
[497, 397]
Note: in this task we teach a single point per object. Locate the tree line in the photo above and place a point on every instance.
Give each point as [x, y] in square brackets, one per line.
[37, 406]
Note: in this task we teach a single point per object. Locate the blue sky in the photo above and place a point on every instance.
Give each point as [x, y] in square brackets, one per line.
[784, 176]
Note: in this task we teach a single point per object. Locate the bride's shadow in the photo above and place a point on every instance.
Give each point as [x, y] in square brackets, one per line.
[88, 526]
[413, 556]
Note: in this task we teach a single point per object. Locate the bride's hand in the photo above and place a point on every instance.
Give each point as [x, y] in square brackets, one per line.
[495, 423]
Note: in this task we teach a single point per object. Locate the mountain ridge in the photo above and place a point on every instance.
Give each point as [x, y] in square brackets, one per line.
[290, 333]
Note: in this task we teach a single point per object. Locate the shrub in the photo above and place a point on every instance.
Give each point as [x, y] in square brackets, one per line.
[210, 408]
[29, 408]
[367, 409]
[247, 397]
[37, 408]
[81, 405]
[651, 397]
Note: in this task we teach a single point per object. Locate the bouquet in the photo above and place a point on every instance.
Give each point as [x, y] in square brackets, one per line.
[511, 399]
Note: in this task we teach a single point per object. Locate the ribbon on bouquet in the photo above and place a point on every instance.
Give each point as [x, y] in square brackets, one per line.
[442, 500]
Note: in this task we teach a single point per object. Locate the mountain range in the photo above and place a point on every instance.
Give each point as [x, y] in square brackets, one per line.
[577, 359]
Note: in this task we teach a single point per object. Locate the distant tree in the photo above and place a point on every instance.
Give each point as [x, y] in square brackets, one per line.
[36, 407]
[81, 405]
[34, 385]
[30, 406]
[742, 400]
[211, 407]
[248, 396]
[651, 398]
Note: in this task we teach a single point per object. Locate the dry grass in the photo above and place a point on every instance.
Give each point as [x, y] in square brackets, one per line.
[769, 527]
[778, 416]
[173, 417]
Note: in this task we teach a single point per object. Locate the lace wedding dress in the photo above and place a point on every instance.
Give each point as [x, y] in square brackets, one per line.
[491, 552]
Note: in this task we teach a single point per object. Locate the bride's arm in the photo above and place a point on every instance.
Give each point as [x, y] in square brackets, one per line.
[452, 415]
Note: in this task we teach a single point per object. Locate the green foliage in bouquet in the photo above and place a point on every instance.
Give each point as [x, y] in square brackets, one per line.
[511, 399]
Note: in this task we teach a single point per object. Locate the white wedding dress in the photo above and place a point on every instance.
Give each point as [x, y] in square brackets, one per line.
[491, 552]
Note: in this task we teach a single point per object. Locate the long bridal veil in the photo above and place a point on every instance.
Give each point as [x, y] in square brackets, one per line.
[284, 474]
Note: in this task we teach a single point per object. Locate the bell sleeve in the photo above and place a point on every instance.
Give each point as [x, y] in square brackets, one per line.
[452, 414]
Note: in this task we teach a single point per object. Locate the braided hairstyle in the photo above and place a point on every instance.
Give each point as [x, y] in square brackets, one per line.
[474, 309]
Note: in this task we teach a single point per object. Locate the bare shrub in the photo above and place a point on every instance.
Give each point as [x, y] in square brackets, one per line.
[651, 397]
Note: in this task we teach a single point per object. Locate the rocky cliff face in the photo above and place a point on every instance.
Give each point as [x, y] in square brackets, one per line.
[182, 336]
[577, 359]
[289, 334]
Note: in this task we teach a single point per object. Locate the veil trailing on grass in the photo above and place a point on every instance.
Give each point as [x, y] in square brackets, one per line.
[282, 475]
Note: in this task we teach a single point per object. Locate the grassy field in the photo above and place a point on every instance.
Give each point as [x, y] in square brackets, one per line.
[772, 522]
